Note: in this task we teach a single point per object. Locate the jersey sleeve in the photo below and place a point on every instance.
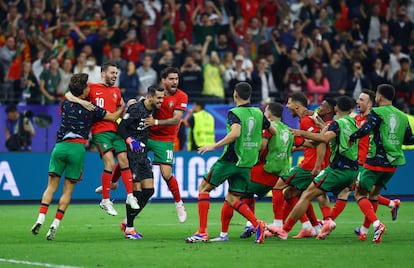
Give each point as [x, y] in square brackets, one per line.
[182, 101]
[307, 124]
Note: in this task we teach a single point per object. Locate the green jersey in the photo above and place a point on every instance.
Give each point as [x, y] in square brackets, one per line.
[279, 150]
[247, 145]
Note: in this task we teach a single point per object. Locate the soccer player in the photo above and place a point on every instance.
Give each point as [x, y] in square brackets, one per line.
[289, 187]
[341, 172]
[69, 152]
[365, 102]
[274, 162]
[242, 143]
[389, 129]
[133, 130]
[108, 96]
[164, 128]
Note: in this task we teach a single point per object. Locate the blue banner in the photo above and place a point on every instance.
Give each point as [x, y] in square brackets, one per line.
[23, 176]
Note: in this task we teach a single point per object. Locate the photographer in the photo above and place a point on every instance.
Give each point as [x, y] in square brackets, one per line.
[18, 130]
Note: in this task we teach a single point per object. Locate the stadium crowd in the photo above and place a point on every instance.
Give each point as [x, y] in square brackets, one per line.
[318, 47]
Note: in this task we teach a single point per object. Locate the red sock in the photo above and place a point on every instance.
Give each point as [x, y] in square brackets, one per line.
[244, 210]
[288, 226]
[384, 201]
[277, 204]
[374, 205]
[203, 207]
[311, 215]
[338, 208]
[116, 173]
[127, 179]
[304, 218]
[173, 186]
[367, 208]
[226, 215]
[367, 223]
[326, 213]
[251, 202]
[43, 208]
[59, 214]
[106, 184]
[287, 207]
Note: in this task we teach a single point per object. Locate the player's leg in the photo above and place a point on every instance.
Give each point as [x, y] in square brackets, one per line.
[340, 202]
[64, 202]
[226, 215]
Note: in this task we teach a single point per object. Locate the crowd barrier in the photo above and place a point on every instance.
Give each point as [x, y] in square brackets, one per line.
[23, 176]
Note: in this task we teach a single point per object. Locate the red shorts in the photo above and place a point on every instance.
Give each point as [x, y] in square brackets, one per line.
[259, 175]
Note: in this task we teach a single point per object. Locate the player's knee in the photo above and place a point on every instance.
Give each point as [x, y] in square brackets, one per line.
[290, 192]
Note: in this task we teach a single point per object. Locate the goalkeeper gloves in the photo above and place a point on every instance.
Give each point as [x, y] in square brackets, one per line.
[135, 146]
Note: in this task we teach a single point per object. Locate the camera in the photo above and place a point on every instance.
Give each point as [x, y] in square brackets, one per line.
[27, 114]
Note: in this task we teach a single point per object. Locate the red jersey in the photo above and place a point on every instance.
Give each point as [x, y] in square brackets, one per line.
[363, 144]
[327, 159]
[178, 101]
[309, 154]
[108, 98]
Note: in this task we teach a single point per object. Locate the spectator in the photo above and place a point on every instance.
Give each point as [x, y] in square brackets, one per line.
[395, 57]
[27, 86]
[116, 56]
[147, 75]
[295, 78]
[403, 81]
[379, 75]
[7, 52]
[92, 69]
[207, 25]
[235, 75]
[213, 88]
[191, 79]
[400, 27]
[317, 86]
[357, 81]
[132, 48]
[65, 76]
[129, 82]
[18, 130]
[337, 75]
[49, 83]
[263, 83]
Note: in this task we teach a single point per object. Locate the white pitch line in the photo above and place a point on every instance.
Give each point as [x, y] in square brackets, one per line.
[37, 263]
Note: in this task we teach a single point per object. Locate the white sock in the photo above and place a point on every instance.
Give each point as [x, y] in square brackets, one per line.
[248, 224]
[317, 229]
[376, 223]
[128, 195]
[307, 225]
[129, 229]
[41, 218]
[391, 204]
[222, 234]
[278, 223]
[179, 204]
[55, 223]
[364, 230]
[105, 200]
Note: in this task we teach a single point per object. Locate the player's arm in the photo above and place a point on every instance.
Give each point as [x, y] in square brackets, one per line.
[231, 136]
[373, 120]
[175, 120]
[124, 125]
[319, 137]
[408, 136]
[114, 116]
[86, 104]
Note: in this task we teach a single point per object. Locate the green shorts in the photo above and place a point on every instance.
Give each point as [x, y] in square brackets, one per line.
[109, 141]
[368, 178]
[68, 157]
[298, 178]
[163, 151]
[335, 180]
[237, 177]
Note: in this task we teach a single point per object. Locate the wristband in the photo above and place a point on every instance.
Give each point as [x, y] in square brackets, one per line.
[156, 122]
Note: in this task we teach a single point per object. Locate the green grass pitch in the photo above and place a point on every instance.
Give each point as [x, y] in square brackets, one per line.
[87, 237]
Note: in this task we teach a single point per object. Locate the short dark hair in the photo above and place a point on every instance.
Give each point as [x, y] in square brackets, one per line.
[244, 90]
[276, 109]
[78, 82]
[344, 103]
[154, 88]
[11, 108]
[108, 64]
[169, 70]
[387, 91]
[200, 103]
[330, 101]
[299, 97]
[370, 93]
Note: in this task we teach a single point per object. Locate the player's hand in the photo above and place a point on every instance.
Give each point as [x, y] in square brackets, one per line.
[205, 148]
[315, 172]
[134, 145]
[149, 121]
